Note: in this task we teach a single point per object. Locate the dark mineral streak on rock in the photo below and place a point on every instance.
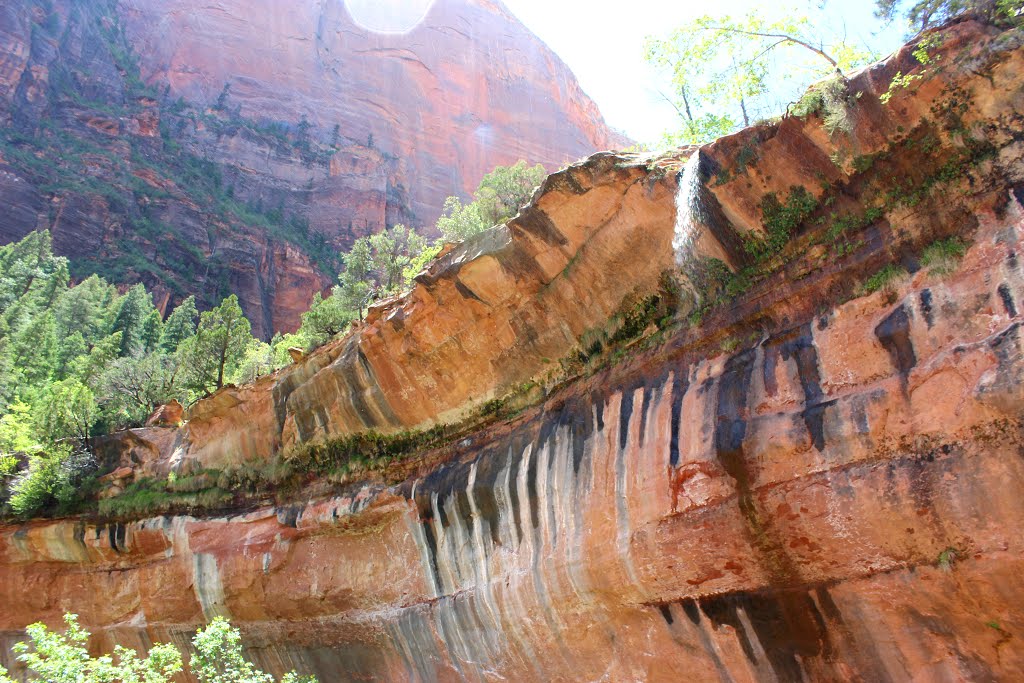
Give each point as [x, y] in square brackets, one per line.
[1007, 298]
[680, 384]
[731, 423]
[926, 307]
[798, 345]
[787, 625]
[894, 334]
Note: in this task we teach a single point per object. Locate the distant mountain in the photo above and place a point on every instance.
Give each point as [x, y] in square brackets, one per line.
[237, 145]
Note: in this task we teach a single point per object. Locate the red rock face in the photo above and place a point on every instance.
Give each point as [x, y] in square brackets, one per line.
[209, 195]
[814, 482]
[14, 48]
[467, 89]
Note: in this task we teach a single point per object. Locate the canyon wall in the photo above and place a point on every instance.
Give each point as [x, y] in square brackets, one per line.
[494, 312]
[236, 147]
[467, 88]
[809, 480]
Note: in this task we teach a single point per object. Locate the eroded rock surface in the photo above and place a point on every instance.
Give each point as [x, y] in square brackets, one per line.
[814, 483]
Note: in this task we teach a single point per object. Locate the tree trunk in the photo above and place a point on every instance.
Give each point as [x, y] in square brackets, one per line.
[220, 366]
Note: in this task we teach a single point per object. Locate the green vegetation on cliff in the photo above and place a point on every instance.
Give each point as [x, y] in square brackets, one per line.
[84, 360]
[384, 264]
[115, 157]
[498, 197]
[924, 14]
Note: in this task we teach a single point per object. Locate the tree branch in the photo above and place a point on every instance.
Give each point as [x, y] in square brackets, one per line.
[687, 116]
[748, 63]
[783, 36]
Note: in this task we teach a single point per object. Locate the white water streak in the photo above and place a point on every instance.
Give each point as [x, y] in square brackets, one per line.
[690, 214]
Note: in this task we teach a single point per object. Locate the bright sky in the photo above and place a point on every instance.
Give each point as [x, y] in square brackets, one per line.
[602, 42]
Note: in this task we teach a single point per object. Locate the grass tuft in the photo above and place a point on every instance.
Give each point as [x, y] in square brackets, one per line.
[943, 256]
[885, 280]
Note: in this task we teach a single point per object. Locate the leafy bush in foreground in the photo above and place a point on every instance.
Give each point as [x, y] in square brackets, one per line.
[53, 657]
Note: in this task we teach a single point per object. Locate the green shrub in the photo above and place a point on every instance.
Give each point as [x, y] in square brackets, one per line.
[729, 345]
[942, 256]
[780, 219]
[863, 163]
[55, 480]
[218, 657]
[140, 497]
[843, 225]
[710, 275]
[363, 448]
[946, 559]
[150, 497]
[830, 98]
[492, 407]
[717, 284]
[636, 320]
[885, 279]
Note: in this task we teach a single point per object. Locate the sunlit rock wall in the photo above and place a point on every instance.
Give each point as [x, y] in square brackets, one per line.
[813, 484]
[494, 312]
[839, 501]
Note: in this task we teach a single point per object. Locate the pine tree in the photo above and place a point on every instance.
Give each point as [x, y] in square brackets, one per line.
[34, 350]
[90, 366]
[152, 327]
[70, 348]
[326, 317]
[179, 326]
[84, 309]
[130, 321]
[219, 344]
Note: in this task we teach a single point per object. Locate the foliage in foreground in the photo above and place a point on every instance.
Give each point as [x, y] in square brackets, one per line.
[53, 657]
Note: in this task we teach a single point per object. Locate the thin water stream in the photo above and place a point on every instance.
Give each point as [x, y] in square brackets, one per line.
[690, 211]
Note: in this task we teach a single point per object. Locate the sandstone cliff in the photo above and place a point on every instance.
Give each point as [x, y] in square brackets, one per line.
[237, 147]
[795, 478]
[465, 90]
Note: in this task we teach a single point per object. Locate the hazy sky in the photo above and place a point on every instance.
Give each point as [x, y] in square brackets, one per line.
[602, 42]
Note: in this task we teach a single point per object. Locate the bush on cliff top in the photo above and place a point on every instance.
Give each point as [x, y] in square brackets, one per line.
[923, 14]
[52, 481]
[499, 196]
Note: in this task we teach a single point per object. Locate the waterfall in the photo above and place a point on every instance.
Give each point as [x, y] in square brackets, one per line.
[690, 212]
